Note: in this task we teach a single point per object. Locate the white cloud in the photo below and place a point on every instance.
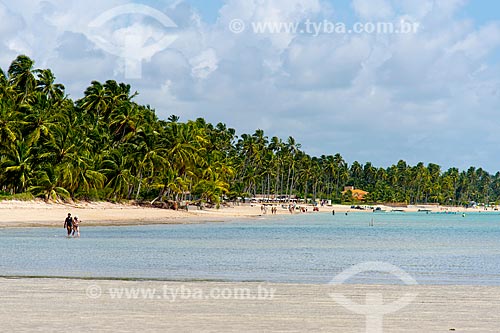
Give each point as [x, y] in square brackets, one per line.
[11, 22]
[270, 11]
[324, 62]
[478, 44]
[204, 64]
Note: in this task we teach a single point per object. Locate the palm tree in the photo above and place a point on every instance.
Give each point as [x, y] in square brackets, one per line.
[293, 149]
[48, 186]
[356, 174]
[22, 76]
[7, 92]
[173, 118]
[182, 147]
[39, 119]
[150, 157]
[17, 166]
[46, 85]
[8, 124]
[341, 172]
[369, 174]
[305, 173]
[116, 168]
[96, 101]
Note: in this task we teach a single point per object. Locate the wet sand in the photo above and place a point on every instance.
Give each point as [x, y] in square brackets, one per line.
[58, 305]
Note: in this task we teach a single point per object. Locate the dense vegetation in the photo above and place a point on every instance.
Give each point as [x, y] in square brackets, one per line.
[105, 146]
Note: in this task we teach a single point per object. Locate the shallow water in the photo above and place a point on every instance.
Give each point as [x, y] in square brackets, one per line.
[312, 248]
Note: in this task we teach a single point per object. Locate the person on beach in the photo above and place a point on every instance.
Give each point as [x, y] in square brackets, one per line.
[68, 224]
[76, 227]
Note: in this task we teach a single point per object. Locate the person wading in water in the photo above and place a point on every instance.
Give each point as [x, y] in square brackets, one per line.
[68, 224]
[76, 227]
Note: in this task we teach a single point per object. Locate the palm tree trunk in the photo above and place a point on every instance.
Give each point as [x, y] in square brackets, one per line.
[291, 181]
[305, 190]
[288, 194]
[139, 187]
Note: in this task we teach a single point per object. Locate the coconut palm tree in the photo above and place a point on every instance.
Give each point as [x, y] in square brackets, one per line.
[22, 77]
[48, 185]
[9, 123]
[17, 166]
[116, 168]
[47, 86]
[96, 101]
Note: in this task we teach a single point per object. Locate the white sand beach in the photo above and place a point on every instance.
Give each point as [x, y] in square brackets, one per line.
[41, 214]
[58, 305]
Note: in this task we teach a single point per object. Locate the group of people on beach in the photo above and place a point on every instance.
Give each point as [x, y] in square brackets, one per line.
[72, 225]
[292, 208]
[274, 209]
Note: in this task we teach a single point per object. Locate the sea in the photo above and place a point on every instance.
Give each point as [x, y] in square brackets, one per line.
[432, 248]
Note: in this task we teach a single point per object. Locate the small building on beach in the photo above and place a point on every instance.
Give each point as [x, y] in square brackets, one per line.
[356, 194]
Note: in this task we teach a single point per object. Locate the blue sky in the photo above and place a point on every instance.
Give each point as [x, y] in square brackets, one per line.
[208, 8]
[432, 96]
[481, 11]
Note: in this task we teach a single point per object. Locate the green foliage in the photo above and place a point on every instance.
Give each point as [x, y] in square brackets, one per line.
[19, 197]
[105, 146]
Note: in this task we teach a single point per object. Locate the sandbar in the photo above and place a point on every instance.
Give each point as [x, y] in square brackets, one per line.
[74, 305]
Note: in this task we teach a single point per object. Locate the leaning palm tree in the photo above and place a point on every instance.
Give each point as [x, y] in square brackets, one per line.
[22, 76]
[48, 185]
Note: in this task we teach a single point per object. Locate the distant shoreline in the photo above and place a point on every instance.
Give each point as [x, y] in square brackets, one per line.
[32, 214]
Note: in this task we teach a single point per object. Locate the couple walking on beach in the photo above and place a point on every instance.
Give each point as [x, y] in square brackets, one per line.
[72, 225]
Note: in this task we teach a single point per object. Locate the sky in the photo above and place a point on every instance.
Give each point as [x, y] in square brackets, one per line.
[431, 96]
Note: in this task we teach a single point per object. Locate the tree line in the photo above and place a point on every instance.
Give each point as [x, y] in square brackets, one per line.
[105, 146]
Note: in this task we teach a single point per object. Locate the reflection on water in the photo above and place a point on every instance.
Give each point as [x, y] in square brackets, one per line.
[434, 249]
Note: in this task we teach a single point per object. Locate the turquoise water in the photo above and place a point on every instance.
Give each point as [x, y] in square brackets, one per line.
[312, 248]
